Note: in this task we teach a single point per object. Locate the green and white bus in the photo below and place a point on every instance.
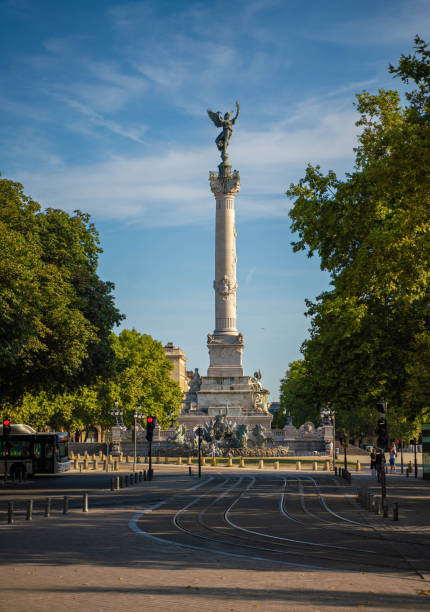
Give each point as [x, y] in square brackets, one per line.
[26, 452]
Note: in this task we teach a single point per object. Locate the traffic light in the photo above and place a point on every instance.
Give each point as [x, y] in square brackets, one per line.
[150, 424]
[382, 432]
[382, 406]
[6, 427]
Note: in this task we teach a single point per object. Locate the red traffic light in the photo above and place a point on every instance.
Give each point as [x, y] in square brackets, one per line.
[149, 420]
[6, 422]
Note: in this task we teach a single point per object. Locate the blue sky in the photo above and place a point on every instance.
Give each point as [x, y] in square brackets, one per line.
[103, 108]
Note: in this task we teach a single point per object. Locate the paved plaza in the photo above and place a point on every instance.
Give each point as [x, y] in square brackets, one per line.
[236, 540]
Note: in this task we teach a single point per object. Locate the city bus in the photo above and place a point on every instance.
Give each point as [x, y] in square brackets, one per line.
[26, 452]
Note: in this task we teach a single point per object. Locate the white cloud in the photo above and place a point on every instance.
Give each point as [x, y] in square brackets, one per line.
[171, 188]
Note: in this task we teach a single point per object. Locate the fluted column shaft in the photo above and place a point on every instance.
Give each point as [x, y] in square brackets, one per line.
[225, 283]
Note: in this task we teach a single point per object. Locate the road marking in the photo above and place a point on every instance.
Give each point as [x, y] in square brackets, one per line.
[134, 527]
[199, 484]
[342, 518]
[154, 507]
[266, 535]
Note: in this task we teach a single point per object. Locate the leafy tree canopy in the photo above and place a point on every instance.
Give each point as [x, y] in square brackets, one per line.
[296, 396]
[370, 333]
[56, 314]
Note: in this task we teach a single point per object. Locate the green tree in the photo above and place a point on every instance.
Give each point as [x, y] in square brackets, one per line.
[144, 378]
[370, 333]
[296, 396]
[56, 314]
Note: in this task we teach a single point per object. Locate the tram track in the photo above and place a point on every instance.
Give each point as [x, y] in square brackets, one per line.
[209, 519]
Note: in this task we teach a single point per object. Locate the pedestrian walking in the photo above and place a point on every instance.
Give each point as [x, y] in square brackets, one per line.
[380, 463]
[373, 462]
[393, 455]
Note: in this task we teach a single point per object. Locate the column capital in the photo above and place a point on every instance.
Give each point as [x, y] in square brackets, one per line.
[224, 185]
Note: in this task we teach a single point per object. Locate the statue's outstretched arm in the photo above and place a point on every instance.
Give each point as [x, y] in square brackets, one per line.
[237, 113]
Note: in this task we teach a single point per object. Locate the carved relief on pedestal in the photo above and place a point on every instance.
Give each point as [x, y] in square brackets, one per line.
[225, 286]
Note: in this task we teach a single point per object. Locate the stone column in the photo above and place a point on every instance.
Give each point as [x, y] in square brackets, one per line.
[226, 344]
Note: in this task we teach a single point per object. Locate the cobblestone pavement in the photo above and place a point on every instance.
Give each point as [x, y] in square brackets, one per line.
[102, 560]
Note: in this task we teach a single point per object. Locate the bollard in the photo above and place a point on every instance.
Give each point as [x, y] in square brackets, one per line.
[94, 464]
[335, 470]
[86, 455]
[189, 461]
[326, 466]
[93, 457]
[190, 470]
[385, 508]
[144, 474]
[410, 468]
[112, 484]
[179, 460]
[357, 466]
[276, 465]
[106, 465]
[85, 502]
[80, 466]
[203, 460]
[315, 466]
[115, 465]
[116, 483]
[261, 464]
[75, 463]
[10, 509]
[298, 466]
[29, 515]
[214, 461]
[166, 460]
[48, 507]
[407, 472]
[241, 463]
[86, 463]
[65, 504]
[139, 476]
[395, 511]
[230, 462]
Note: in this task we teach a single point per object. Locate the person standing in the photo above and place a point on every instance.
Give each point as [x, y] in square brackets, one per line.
[393, 455]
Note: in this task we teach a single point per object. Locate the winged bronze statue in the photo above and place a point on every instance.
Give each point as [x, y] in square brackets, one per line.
[226, 123]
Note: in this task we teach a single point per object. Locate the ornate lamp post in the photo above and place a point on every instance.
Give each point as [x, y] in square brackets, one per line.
[330, 414]
[138, 415]
[199, 433]
[118, 414]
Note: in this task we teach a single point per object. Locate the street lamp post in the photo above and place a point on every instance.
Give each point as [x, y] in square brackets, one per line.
[199, 433]
[401, 455]
[138, 415]
[345, 459]
[415, 458]
[118, 414]
[330, 413]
